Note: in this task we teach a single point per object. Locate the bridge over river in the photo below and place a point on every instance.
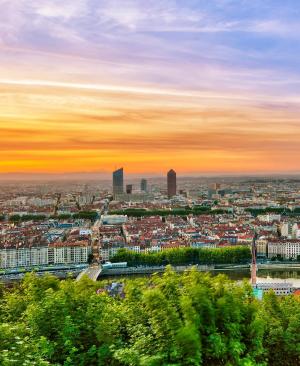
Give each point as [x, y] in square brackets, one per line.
[93, 272]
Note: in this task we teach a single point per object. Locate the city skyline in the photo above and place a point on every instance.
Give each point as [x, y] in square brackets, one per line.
[205, 87]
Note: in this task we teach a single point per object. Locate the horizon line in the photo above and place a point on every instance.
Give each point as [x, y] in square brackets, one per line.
[149, 175]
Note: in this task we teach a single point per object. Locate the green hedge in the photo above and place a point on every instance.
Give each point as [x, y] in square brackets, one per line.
[199, 210]
[88, 215]
[185, 256]
[275, 210]
[17, 218]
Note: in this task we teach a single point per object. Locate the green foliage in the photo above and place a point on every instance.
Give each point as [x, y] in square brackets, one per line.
[184, 211]
[190, 319]
[2, 218]
[275, 210]
[185, 256]
[282, 330]
[14, 218]
[18, 348]
[17, 218]
[64, 216]
[87, 215]
[90, 258]
[278, 257]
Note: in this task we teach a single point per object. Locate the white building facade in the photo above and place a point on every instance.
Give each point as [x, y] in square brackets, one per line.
[289, 249]
[44, 255]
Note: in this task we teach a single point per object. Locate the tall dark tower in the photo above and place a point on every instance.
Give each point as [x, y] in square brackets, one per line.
[144, 185]
[171, 178]
[129, 188]
[118, 183]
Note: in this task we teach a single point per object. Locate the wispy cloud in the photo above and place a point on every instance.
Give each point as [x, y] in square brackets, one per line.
[216, 80]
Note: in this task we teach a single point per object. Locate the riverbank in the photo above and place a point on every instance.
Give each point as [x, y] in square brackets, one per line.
[233, 271]
[153, 269]
[62, 272]
[290, 265]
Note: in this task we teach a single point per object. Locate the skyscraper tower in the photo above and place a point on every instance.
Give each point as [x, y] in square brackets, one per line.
[171, 179]
[129, 188]
[144, 185]
[118, 182]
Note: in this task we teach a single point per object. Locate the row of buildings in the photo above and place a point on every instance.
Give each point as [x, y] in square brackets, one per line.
[46, 243]
[52, 254]
[65, 241]
[203, 231]
[36, 244]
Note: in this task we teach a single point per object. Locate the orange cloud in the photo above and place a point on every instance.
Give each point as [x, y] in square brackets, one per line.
[58, 128]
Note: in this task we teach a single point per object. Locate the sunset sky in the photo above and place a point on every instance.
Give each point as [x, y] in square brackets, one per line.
[198, 86]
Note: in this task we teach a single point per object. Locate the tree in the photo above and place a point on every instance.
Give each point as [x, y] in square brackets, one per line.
[185, 256]
[282, 329]
[90, 258]
[163, 320]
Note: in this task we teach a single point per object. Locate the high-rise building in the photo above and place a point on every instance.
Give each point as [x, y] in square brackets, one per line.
[144, 185]
[118, 182]
[171, 179]
[213, 186]
[129, 188]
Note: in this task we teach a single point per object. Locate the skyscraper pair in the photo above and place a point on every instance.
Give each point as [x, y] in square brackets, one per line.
[118, 183]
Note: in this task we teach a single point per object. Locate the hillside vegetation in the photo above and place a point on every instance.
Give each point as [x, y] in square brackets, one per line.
[162, 320]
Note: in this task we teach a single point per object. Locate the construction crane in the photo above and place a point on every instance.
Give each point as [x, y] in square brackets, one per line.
[57, 202]
[76, 199]
[95, 242]
[95, 251]
[253, 262]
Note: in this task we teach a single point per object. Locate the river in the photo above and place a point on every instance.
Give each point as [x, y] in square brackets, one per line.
[237, 274]
[264, 275]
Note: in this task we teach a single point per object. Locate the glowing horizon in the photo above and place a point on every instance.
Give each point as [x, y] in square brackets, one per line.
[87, 85]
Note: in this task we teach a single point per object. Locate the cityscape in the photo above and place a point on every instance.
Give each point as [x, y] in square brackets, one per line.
[149, 183]
[73, 224]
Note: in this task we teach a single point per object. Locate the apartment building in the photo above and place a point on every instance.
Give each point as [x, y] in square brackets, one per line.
[285, 248]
